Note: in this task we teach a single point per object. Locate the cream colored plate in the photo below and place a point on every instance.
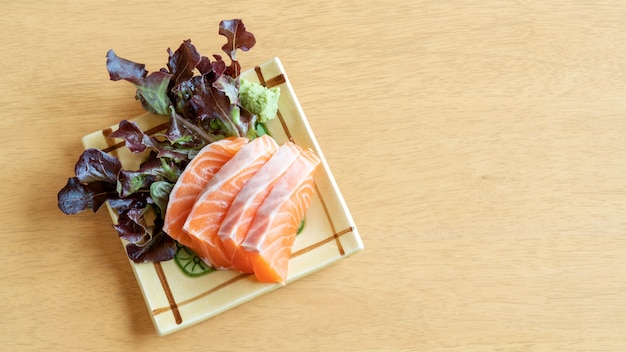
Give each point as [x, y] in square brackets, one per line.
[181, 292]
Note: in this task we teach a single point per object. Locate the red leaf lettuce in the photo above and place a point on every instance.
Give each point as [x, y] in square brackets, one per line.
[200, 97]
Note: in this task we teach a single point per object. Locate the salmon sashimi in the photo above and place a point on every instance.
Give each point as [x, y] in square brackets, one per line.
[270, 239]
[237, 221]
[192, 182]
[209, 210]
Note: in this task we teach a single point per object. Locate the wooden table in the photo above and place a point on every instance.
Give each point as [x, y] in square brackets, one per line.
[480, 146]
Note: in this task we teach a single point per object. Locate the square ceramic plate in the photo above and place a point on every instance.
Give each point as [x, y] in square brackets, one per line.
[184, 291]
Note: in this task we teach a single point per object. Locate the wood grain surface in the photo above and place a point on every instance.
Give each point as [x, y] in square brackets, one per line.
[479, 145]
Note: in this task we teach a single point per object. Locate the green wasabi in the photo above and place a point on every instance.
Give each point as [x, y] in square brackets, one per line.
[259, 100]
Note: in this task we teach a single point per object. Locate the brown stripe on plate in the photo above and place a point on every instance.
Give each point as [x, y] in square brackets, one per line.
[272, 82]
[334, 237]
[168, 293]
[106, 132]
[330, 221]
[242, 276]
[203, 294]
[275, 81]
[259, 75]
[284, 125]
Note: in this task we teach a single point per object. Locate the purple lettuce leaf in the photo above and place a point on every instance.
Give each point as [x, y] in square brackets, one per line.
[243, 119]
[178, 154]
[138, 141]
[153, 170]
[228, 86]
[76, 197]
[180, 135]
[205, 66]
[122, 205]
[211, 70]
[160, 248]
[237, 38]
[183, 62]
[152, 89]
[211, 104]
[182, 93]
[135, 139]
[94, 165]
[147, 243]
[153, 93]
[122, 69]
[131, 226]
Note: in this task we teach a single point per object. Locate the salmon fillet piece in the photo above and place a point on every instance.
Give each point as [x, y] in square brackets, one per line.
[206, 216]
[270, 239]
[192, 182]
[238, 219]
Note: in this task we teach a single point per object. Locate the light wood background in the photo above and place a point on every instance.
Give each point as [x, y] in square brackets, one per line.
[480, 145]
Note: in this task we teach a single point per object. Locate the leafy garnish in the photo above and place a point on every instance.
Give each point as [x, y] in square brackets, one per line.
[94, 183]
[196, 92]
[160, 247]
[95, 165]
[201, 98]
[135, 139]
[160, 193]
[151, 88]
[76, 197]
[183, 61]
[132, 194]
[238, 38]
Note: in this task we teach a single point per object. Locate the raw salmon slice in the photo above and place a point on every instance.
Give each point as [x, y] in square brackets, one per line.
[273, 230]
[237, 221]
[192, 181]
[211, 206]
